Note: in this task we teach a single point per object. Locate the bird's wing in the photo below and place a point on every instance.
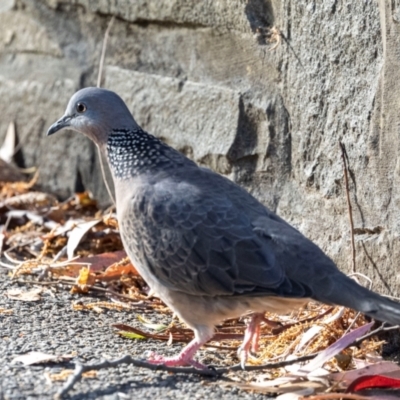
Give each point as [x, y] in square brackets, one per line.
[200, 235]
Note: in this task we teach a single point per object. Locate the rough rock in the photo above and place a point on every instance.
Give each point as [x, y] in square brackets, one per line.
[260, 90]
[199, 120]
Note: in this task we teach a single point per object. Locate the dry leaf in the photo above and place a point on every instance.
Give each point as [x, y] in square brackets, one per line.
[308, 336]
[344, 396]
[7, 150]
[30, 200]
[77, 234]
[36, 357]
[85, 199]
[85, 278]
[2, 237]
[296, 395]
[70, 270]
[61, 230]
[101, 262]
[155, 327]
[336, 348]
[285, 384]
[20, 294]
[345, 378]
[374, 381]
[115, 271]
[83, 281]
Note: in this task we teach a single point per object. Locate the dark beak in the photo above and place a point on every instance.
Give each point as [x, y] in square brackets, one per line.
[63, 122]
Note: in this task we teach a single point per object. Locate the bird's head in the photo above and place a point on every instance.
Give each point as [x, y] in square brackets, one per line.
[93, 112]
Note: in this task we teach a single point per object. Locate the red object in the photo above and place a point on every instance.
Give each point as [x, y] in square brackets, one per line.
[373, 381]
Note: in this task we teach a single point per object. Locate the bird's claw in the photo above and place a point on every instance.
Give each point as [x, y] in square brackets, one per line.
[243, 354]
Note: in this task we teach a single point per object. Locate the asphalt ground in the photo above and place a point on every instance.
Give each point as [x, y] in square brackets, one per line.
[50, 325]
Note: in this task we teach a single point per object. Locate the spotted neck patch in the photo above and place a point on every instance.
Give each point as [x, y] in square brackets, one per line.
[133, 152]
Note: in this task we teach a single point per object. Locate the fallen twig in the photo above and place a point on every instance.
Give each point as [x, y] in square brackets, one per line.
[382, 328]
[280, 329]
[99, 78]
[80, 369]
[346, 180]
[103, 50]
[210, 372]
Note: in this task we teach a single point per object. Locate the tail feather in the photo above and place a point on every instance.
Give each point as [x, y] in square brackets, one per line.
[350, 294]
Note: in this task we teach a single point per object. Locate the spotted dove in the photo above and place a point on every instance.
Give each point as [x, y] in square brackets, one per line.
[203, 244]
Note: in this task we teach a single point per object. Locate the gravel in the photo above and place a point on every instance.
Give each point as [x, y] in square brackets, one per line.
[50, 325]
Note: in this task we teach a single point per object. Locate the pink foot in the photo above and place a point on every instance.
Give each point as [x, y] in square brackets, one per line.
[185, 357]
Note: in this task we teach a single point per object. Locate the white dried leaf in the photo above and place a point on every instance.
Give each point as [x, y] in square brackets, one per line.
[37, 357]
[19, 294]
[77, 234]
[7, 150]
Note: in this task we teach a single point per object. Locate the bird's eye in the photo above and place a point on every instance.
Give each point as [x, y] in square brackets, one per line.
[81, 108]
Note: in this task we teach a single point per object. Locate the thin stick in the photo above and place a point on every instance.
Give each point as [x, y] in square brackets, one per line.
[2, 235]
[382, 328]
[346, 180]
[99, 78]
[80, 369]
[103, 51]
[212, 371]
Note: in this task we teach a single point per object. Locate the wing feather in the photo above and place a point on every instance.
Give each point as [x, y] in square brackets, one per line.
[211, 239]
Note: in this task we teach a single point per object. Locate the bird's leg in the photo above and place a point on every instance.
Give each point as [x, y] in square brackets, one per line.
[185, 357]
[255, 339]
[252, 331]
[252, 335]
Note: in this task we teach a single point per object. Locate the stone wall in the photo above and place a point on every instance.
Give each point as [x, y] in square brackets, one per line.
[259, 90]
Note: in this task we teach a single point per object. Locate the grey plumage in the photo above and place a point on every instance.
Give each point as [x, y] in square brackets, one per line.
[207, 247]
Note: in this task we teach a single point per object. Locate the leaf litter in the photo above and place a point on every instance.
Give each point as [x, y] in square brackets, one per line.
[76, 245]
[36, 357]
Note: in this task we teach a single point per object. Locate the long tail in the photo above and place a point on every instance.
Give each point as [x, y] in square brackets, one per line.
[350, 294]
